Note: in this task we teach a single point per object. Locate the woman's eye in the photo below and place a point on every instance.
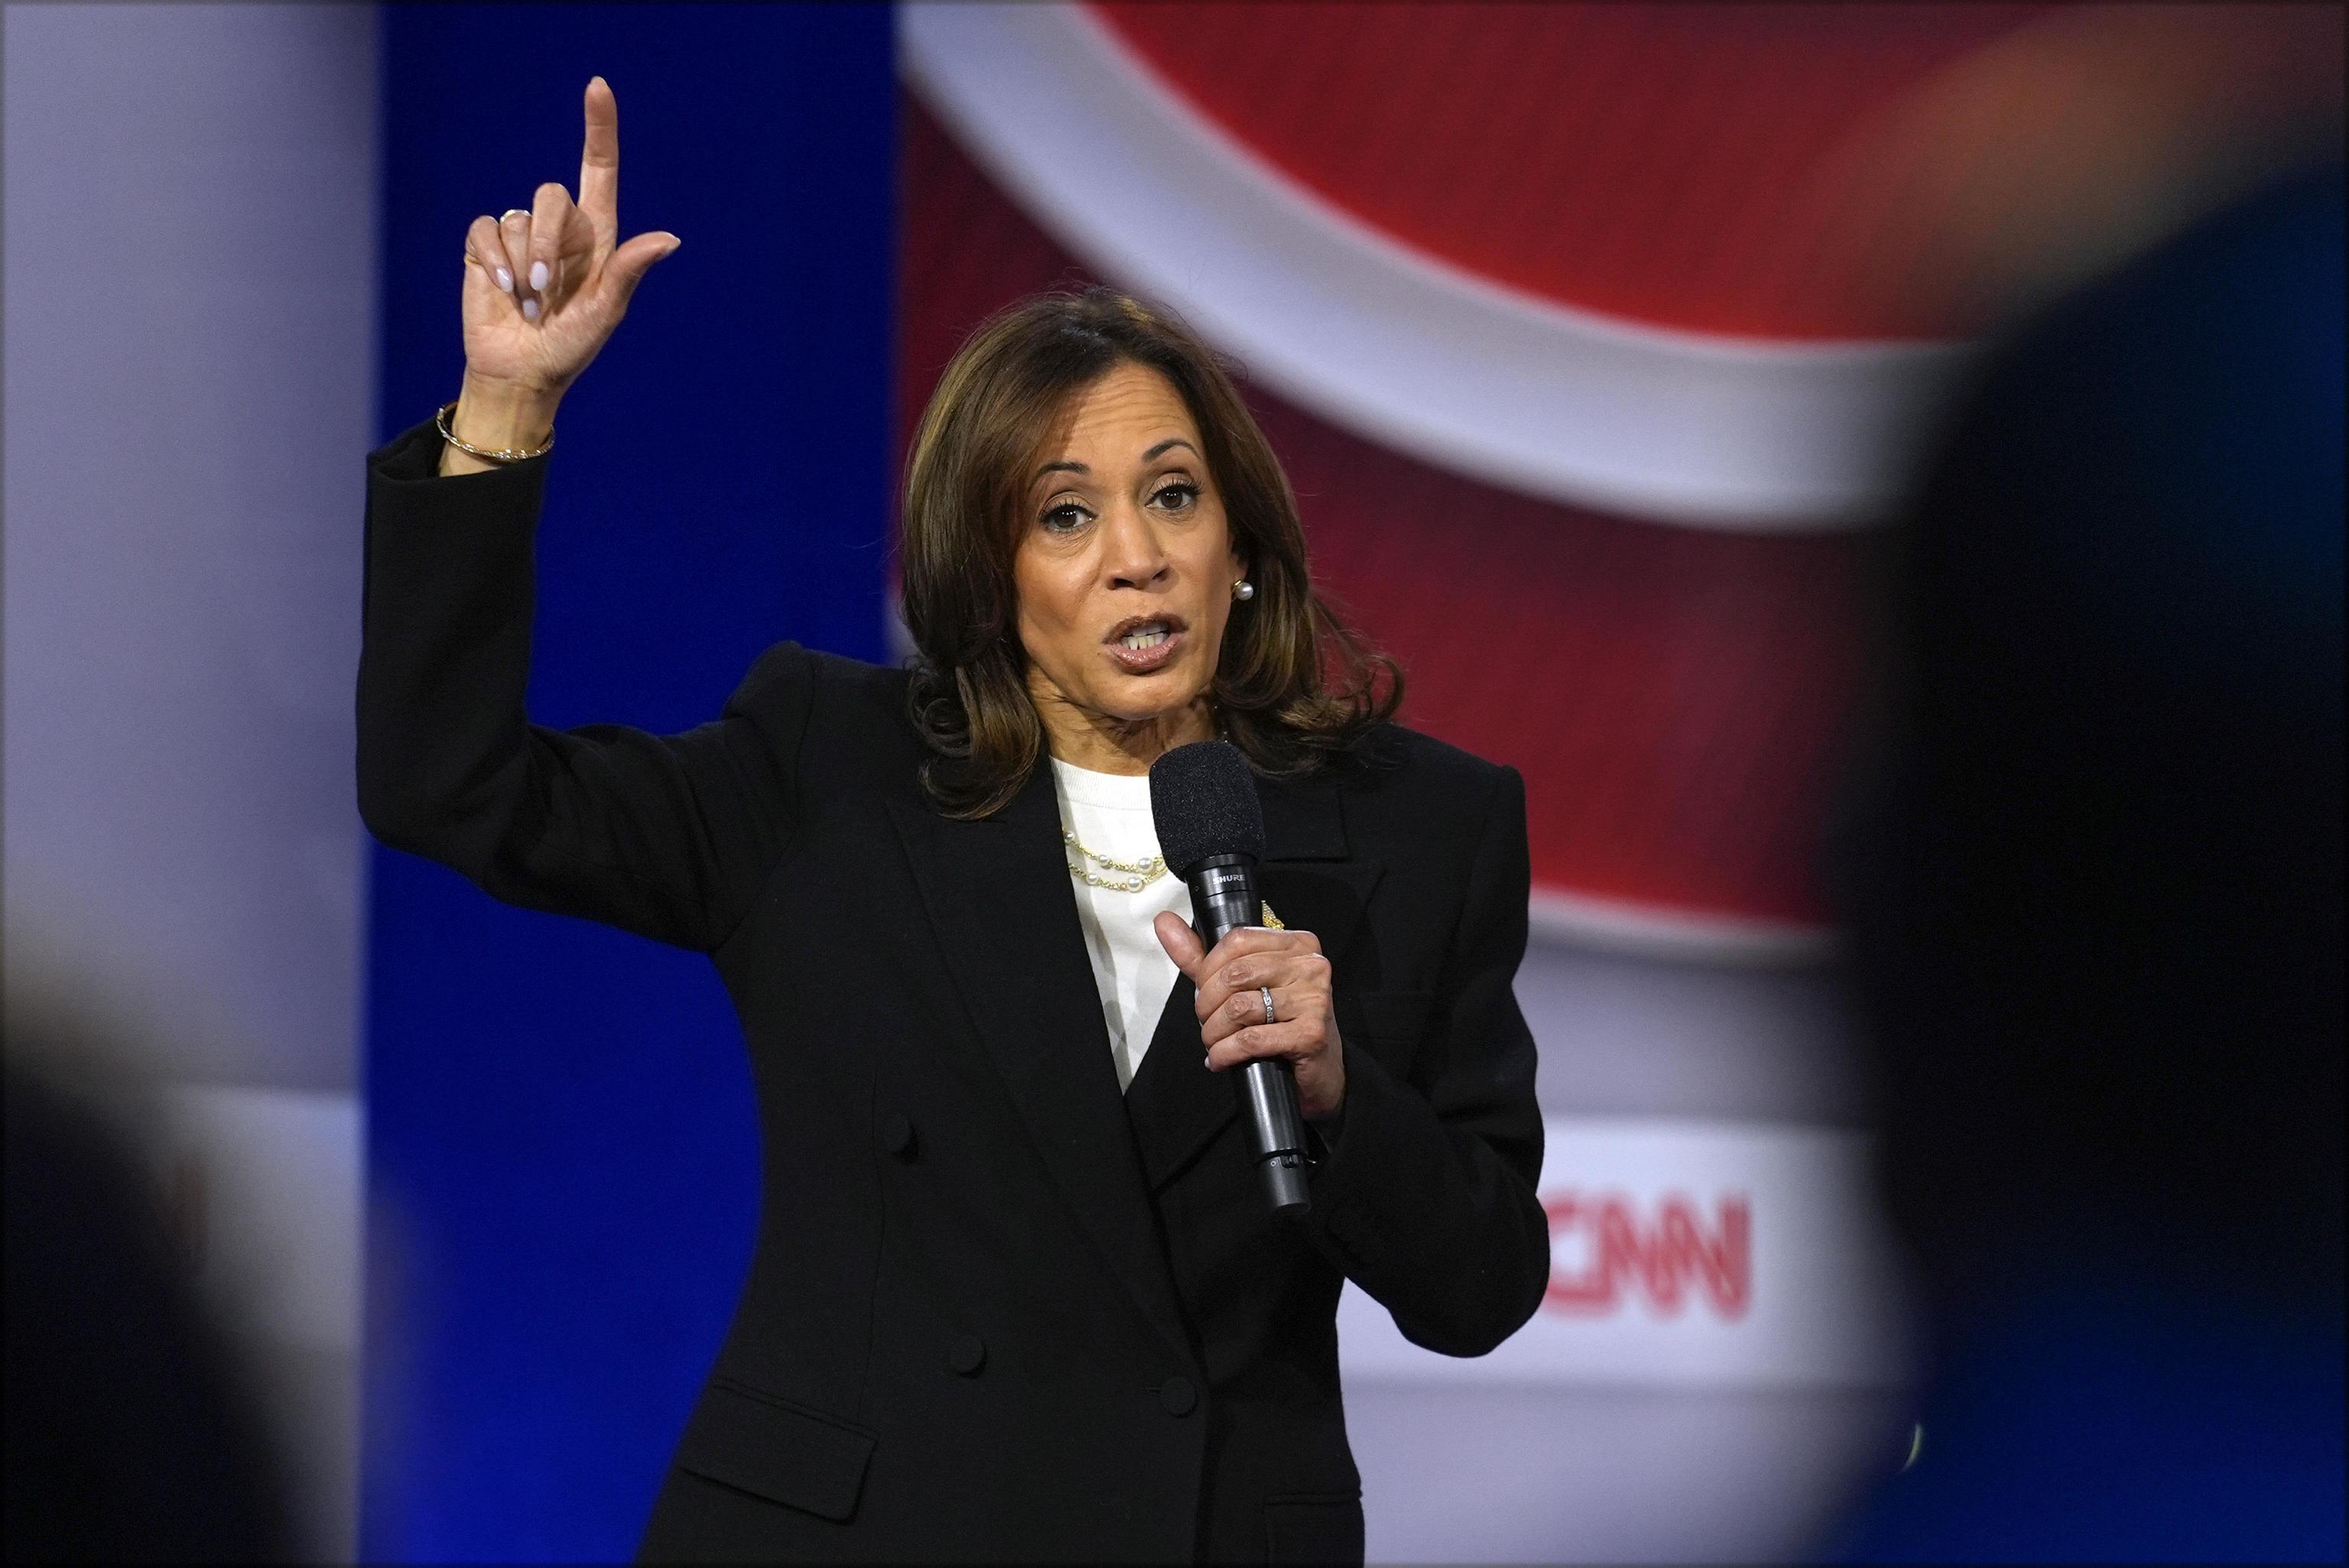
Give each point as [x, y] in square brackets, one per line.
[1065, 517]
[1176, 496]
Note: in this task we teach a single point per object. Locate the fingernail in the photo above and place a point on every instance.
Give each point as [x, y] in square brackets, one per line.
[538, 274]
[529, 310]
[505, 280]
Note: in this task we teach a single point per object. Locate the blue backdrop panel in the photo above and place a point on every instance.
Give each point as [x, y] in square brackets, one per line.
[560, 1138]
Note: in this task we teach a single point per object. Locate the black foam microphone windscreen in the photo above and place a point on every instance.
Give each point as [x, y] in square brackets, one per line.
[1202, 802]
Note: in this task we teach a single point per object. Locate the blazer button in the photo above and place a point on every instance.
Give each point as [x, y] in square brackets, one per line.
[968, 1355]
[1178, 1396]
[897, 1136]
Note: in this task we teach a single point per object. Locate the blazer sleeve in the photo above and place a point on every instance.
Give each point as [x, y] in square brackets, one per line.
[667, 836]
[1426, 1197]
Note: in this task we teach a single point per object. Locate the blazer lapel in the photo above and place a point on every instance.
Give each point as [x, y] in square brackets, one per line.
[999, 898]
[1311, 877]
[1313, 883]
[1175, 1103]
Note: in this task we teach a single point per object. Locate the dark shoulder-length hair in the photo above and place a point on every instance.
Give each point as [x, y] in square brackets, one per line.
[1295, 688]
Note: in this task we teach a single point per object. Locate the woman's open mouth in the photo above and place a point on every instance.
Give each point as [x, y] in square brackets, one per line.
[1145, 643]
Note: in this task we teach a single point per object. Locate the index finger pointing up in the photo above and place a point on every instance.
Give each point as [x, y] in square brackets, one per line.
[599, 163]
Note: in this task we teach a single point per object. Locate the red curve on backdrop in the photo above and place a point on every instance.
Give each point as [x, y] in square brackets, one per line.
[1772, 171]
[1490, 135]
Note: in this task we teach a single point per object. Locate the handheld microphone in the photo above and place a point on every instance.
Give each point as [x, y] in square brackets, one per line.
[1211, 832]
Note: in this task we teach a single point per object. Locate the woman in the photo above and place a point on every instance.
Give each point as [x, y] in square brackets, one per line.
[1017, 1292]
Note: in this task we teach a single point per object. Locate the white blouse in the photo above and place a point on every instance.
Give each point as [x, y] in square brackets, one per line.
[1110, 813]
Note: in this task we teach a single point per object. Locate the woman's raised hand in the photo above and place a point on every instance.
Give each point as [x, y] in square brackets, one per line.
[544, 290]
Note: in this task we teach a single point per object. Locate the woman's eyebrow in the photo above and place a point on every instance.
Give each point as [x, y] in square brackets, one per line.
[1152, 455]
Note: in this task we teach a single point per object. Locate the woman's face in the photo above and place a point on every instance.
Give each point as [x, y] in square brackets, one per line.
[1124, 569]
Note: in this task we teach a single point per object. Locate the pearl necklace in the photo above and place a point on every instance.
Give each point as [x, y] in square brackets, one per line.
[1131, 876]
[1134, 875]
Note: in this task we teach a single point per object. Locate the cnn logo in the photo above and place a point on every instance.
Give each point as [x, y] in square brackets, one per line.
[1604, 1250]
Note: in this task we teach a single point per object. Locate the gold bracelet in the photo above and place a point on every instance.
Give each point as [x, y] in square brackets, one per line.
[487, 455]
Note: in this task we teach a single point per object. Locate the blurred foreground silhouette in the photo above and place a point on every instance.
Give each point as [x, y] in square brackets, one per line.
[2093, 875]
[133, 1434]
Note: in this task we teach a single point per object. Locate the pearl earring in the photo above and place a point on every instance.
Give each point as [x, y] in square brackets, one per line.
[1242, 589]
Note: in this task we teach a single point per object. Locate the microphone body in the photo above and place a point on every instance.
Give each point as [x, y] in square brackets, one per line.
[1224, 898]
[1207, 813]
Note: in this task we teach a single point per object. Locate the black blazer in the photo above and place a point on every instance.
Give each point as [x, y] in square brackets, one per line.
[995, 1310]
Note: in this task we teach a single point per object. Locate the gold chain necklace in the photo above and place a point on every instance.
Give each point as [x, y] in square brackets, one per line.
[1130, 876]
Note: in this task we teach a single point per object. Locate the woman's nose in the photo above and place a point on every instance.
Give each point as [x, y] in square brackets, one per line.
[1135, 556]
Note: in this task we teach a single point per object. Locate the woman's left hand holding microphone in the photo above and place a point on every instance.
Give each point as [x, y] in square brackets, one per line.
[1232, 983]
[544, 288]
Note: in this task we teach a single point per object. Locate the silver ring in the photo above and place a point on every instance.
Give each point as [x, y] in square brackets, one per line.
[1266, 992]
